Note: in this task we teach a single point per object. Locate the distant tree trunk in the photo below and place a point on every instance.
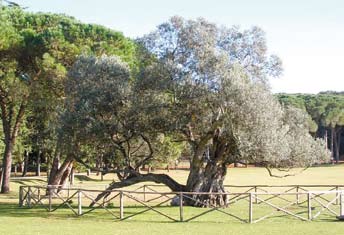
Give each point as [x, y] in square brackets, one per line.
[332, 143]
[15, 169]
[48, 166]
[38, 169]
[26, 163]
[337, 142]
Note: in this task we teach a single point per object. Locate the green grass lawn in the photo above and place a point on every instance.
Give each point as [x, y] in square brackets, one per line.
[15, 220]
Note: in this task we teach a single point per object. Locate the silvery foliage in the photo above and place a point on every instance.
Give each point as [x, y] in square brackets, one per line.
[218, 80]
[98, 93]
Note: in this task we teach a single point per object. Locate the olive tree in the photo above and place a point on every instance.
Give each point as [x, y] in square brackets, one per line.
[208, 86]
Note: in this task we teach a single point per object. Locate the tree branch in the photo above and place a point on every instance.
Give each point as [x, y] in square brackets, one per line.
[157, 178]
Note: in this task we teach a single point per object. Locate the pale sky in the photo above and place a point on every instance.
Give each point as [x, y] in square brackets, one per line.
[308, 35]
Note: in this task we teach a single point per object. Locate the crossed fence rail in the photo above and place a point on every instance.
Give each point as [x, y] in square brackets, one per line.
[303, 202]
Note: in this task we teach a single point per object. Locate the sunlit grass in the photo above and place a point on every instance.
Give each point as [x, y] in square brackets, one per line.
[15, 220]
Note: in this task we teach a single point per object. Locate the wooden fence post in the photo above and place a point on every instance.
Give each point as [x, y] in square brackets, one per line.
[28, 197]
[50, 192]
[121, 208]
[181, 210]
[309, 203]
[21, 195]
[39, 194]
[297, 195]
[79, 203]
[250, 215]
[341, 200]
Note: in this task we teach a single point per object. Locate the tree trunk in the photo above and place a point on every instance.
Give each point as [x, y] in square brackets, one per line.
[335, 144]
[26, 163]
[0, 175]
[66, 174]
[57, 176]
[338, 140]
[207, 180]
[54, 169]
[38, 169]
[332, 143]
[7, 163]
[71, 176]
[48, 166]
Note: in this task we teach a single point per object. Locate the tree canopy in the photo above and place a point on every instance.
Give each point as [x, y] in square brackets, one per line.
[36, 51]
[86, 93]
[220, 106]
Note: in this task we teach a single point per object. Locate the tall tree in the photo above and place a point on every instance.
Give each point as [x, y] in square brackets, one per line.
[36, 50]
[208, 86]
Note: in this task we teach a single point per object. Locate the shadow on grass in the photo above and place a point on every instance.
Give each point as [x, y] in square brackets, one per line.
[99, 214]
[87, 178]
[28, 181]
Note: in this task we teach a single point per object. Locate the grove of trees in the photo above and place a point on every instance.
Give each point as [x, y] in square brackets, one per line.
[82, 95]
[326, 110]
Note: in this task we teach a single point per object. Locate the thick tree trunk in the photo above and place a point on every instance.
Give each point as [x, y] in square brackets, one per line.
[207, 180]
[54, 169]
[204, 178]
[66, 174]
[57, 176]
[7, 163]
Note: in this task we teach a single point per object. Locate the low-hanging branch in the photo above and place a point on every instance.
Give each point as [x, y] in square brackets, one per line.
[283, 176]
[138, 178]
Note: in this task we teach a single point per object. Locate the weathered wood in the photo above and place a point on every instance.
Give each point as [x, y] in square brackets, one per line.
[102, 205]
[250, 213]
[309, 205]
[28, 198]
[79, 203]
[341, 203]
[281, 209]
[121, 205]
[32, 197]
[21, 194]
[144, 192]
[325, 207]
[181, 209]
[50, 194]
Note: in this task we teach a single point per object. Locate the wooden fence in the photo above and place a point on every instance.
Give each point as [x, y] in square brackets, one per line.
[257, 202]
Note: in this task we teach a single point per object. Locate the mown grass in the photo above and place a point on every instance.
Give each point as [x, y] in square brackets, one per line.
[37, 220]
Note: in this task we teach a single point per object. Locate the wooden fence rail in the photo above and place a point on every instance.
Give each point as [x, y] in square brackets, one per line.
[254, 197]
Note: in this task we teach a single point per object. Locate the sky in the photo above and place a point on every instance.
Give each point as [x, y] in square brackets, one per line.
[308, 35]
